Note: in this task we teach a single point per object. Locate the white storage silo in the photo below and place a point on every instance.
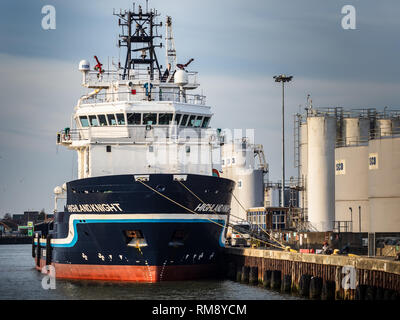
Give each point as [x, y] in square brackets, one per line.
[321, 133]
[384, 127]
[351, 187]
[238, 164]
[356, 130]
[396, 125]
[303, 149]
[384, 184]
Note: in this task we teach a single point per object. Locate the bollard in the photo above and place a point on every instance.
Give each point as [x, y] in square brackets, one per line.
[328, 290]
[245, 274]
[267, 278]
[360, 292]
[315, 288]
[276, 279]
[304, 285]
[286, 283]
[253, 275]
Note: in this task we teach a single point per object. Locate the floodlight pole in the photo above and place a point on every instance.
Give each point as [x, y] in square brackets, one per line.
[282, 78]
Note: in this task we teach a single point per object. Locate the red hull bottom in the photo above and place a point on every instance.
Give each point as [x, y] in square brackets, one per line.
[132, 273]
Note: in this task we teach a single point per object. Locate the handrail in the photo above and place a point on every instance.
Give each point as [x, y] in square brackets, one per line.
[135, 133]
[141, 95]
[93, 77]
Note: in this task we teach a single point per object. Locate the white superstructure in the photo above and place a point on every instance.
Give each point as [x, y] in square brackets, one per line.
[141, 120]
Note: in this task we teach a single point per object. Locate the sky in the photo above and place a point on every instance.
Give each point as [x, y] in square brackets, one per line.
[238, 47]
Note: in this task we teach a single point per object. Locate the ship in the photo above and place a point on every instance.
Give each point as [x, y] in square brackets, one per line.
[148, 204]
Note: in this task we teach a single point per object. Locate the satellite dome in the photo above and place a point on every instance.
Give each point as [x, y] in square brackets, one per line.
[84, 65]
[181, 77]
[57, 190]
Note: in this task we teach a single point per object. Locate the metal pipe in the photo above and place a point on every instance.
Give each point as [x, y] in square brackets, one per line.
[282, 78]
[283, 145]
[351, 218]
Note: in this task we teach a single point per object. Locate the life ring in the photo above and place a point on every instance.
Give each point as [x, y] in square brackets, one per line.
[66, 137]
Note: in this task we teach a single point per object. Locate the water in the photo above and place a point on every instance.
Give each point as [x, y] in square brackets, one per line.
[20, 280]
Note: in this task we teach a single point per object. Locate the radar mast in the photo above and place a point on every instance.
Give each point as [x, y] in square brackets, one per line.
[139, 32]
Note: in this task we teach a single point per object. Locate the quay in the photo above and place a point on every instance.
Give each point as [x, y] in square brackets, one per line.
[15, 239]
[315, 276]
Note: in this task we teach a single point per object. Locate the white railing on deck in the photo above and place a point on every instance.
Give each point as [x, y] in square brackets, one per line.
[138, 134]
[140, 95]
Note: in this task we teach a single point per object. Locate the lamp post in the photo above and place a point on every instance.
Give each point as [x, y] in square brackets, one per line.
[282, 78]
[351, 217]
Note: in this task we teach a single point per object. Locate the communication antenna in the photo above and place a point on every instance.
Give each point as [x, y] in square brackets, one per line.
[138, 37]
[170, 48]
[309, 104]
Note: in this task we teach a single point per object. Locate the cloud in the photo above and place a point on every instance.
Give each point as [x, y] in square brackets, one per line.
[256, 103]
[237, 46]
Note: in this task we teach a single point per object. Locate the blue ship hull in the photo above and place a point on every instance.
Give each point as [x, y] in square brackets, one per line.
[116, 228]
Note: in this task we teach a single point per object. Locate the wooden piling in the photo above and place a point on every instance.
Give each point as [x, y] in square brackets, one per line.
[370, 278]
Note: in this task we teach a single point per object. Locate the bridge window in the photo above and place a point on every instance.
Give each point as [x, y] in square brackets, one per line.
[150, 118]
[164, 118]
[191, 121]
[206, 122]
[198, 121]
[111, 120]
[184, 120]
[134, 118]
[84, 121]
[102, 119]
[121, 119]
[93, 121]
[178, 117]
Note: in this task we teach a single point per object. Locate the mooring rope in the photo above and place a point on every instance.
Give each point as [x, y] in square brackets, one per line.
[262, 229]
[191, 211]
[188, 189]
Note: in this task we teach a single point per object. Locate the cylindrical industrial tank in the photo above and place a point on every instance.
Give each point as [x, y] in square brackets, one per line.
[383, 127]
[321, 178]
[384, 184]
[356, 131]
[239, 166]
[351, 187]
[396, 125]
[303, 165]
